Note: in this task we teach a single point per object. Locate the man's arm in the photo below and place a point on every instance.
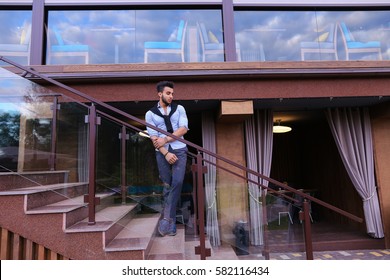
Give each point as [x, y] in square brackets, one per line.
[181, 131]
[170, 157]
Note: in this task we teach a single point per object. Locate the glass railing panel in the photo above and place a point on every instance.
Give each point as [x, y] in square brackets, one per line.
[126, 171]
[26, 126]
[227, 216]
[126, 167]
[284, 228]
[38, 140]
[72, 144]
[249, 222]
[25, 109]
[108, 156]
[126, 164]
[143, 183]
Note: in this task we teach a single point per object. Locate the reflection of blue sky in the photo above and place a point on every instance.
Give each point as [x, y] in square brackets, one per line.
[14, 85]
[11, 29]
[10, 108]
[11, 23]
[17, 94]
[292, 27]
[134, 28]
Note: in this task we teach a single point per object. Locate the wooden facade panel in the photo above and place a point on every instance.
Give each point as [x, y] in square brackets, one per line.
[16, 247]
[5, 244]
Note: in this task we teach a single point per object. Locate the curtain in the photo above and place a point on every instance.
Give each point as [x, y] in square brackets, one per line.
[208, 138]
[259, 138]
[351, 130]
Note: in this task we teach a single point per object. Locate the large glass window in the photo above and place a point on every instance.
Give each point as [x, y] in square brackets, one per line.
[134, 36]
[313, 35]
[15, 35]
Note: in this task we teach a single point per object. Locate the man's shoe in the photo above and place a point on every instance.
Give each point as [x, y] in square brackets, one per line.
[163, 227]
[172, 229]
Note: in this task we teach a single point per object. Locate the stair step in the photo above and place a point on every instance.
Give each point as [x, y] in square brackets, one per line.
[64, 206]
[136, 234]
[223, 252]
[104, 219]
[42, 188]
[43, 195]
[12, 180]
[169, 247]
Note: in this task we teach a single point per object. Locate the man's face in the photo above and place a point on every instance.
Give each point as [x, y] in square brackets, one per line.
[167, 95]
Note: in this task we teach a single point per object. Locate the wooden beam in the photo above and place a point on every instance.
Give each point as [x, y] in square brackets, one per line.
[235, 110]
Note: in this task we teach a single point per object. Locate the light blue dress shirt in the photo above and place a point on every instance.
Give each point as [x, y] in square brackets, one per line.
[178, 119]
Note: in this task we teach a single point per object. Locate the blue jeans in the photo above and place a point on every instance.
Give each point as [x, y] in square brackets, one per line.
[172, 177]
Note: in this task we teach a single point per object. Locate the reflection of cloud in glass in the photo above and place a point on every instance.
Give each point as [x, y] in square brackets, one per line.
[127, 30]
[22, 95]
[11, 23]
[280, 32]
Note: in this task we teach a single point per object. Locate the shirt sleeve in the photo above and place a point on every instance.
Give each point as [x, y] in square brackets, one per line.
[183, 120]
[149, 120]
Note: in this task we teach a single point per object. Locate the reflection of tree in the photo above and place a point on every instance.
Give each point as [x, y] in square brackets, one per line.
[39, 134]
[9, 130]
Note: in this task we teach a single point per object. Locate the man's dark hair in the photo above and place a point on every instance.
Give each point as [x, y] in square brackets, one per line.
[161, 85]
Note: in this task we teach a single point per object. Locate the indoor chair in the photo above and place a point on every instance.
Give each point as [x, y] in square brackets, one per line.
[69, 50]
[19, 50]
[210, 44]
[355, 47]
[326, 43]
[174, 45]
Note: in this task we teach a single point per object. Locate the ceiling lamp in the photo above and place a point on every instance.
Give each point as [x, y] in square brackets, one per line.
[280, 128]
[144, 133]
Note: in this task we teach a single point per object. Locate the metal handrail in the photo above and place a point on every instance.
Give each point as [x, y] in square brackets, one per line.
[198, 148]
[199, 163]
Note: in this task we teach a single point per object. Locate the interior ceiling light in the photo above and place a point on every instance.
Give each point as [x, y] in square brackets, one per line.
[144, 133]
[280, 128]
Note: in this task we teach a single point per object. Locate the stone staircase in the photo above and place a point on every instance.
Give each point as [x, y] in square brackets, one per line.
[55, 216]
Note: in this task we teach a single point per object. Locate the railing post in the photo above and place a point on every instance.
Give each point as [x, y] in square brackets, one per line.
[52, 159]
[90, 197]
[194, 197]
[305, 216]
[265, 224]
[124, 137]
[201, 249]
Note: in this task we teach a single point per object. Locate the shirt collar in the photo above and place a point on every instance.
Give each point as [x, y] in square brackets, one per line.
[159, 106]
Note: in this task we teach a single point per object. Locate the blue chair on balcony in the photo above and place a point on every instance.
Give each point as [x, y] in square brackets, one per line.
[210, 44]
[175, 45]
[326, 43]
[69, 50]
[354, 47]
[19, 50]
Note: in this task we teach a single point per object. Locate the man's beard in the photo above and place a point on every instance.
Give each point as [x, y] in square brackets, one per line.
[165, 101]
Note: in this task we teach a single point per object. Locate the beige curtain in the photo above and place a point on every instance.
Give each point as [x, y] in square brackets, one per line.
[351, 130]
[208, 138]
[259, 138]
